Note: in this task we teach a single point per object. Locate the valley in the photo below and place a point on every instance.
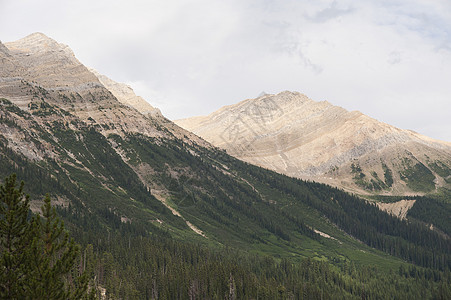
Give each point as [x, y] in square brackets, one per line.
[294, 135]
[161, 212]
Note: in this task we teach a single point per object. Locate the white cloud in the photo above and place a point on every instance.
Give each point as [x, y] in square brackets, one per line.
[389, 59]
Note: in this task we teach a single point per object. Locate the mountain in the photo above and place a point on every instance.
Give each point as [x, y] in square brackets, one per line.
[126, 95]
[159, 211]
[294, 135]
[61, 107]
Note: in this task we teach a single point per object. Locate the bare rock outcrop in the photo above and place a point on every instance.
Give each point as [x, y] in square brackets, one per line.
[51, 64]
[294, 135]
[37, 68]
[125, 94]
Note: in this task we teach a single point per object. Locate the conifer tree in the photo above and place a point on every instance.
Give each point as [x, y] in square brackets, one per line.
[14, 238]
[37, 255]
[53, 257]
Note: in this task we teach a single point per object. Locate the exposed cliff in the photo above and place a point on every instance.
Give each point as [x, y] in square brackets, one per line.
[294, 135]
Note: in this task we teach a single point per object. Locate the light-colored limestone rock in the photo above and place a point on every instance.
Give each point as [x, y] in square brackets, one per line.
[39, 63]
[51, 64]
[294, 135]
[125, 94]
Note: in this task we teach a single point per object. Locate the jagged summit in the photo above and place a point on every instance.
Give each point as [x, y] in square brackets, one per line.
[284, 99]
[38, 42]
[37, 38]
[292, 134]
[51, 64]
[41, 69]
[37, 35]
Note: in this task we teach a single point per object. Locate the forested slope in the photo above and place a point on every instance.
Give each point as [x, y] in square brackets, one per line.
[160, 213]
[108, 205]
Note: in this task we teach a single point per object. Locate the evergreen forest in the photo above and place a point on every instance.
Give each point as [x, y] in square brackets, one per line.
[99, 223]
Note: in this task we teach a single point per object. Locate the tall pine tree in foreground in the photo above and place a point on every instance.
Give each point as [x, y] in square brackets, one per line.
[14, 238]
[37, 255]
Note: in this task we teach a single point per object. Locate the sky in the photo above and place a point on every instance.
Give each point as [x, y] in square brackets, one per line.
[388, 59]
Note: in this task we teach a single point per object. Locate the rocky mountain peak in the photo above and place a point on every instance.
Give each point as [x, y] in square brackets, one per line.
[291, 98]
[50, 64]
[39, 43]
[39, 70]
[294, 135]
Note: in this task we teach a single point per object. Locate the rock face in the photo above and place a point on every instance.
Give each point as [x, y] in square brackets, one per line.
[125, 94]
[51, 64]
[294, 135]
[37, 68]
[61, 116]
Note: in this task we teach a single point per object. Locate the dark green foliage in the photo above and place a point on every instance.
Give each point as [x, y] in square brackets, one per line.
[109, 184]
[440, 168]
[432, 211]
[359, 176]
[412, 242]
[150, 267]
[388, 175]
[377, 183]
[231, 202]
[418, 177]
[38, 179]
[52, 257]
[390, 199]
[247, 208]
[247, 213]
[45, 109]
[443, 194]
[14, 238]
[142, 267]
[37, 255]
[9, 106]
[371, 184]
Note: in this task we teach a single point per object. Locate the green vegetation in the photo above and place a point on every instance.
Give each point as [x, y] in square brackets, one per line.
[151, 267]
[376, 182]
[10, 107]
[359, 177]
[131, 264]
[443, 194]
[388, 175]
[432, 211]
[390, 199]
[37, 257]
[441, 169]
[417, 176]
[44, 109]
[428, 210]
[372, 184]
[261, 226]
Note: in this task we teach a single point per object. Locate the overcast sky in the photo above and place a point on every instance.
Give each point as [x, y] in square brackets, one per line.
[389, 59]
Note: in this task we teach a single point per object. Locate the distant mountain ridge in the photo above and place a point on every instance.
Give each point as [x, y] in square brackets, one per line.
[294, 135]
